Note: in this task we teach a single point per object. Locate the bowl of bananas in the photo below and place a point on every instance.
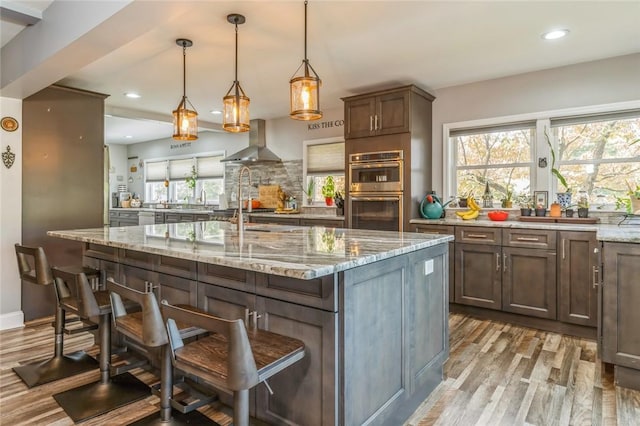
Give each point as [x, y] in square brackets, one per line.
[498, 215]
[472, 213]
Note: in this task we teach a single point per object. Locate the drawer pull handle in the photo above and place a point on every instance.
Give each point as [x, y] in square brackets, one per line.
[498, 262]
[563, 253]
[371, 123]
[527, 239]
[595, 276]
[504, 262]
[476, 236]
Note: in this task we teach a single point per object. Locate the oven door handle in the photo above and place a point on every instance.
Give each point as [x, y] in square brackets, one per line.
[376, 198]
[355, 166]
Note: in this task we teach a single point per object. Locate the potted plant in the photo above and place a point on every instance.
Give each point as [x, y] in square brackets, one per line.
[329, 190]
[191, 179]
[631, 203]
[569, 211]
[583, 206]
[525, 203]
[564, 198]
[541, 210]
[507, 201]
[309, 190]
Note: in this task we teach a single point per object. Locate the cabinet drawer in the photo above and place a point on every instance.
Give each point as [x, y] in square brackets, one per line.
[237, 279]
[531, 238]
[178, 267]
[128, 215]
[138, 258]
[434, 229]
[478, 235]
[100, 252]
[200, 217]
[317, 293]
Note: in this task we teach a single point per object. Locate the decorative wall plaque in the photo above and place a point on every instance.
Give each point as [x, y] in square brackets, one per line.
[9, 124]
[8, 157]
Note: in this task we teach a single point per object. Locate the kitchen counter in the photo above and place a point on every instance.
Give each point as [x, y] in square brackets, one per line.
[299, 252]
[370, 306]
[209, 209]
[296, 215]
[627, 233]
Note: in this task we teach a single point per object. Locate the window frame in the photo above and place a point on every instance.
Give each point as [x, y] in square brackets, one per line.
[541, 179]
[305, 145]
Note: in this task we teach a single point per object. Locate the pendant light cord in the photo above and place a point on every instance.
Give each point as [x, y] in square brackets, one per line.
[236, 21]
[184, 72]
[305, 31]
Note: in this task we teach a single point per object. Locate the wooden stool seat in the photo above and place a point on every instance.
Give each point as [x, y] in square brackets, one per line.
[210, 354]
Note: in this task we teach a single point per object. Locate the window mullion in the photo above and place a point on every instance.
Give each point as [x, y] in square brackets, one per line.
[541, 178]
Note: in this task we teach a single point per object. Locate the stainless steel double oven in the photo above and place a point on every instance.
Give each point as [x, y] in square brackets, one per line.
[375, 190]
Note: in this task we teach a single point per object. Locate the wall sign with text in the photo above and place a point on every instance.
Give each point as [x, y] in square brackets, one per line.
[325, 124]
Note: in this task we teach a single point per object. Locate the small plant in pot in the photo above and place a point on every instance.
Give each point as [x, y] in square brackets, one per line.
[569, 211]
[525, 203]
[583, 206]
[339, 200]
[329, 190]
[507, 201]
[564, 198]
[309, 190]
[541, 210]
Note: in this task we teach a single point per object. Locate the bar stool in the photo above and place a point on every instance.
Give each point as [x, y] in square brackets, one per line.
[231, 358]
[34, 268]
[147, 329]
[110, 392]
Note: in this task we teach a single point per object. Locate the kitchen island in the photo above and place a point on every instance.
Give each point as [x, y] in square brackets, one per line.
[370, 306]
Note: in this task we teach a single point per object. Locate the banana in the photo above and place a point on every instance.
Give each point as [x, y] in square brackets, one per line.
[463, 213]
[471, 202]
[471, 215]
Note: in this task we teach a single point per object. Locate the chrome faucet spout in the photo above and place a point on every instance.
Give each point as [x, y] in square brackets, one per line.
[240, 218]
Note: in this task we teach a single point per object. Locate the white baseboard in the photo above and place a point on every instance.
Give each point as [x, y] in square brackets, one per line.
[11, 320]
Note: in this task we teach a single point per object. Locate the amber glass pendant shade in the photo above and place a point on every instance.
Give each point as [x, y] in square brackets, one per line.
[236, 110]
[185, 122]
[185, 117]
[305, 89]
[235, 104]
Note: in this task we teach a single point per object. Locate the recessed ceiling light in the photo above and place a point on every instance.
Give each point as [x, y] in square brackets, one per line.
[129, 137]
[132, 95]
[215, 111]
[555, 34]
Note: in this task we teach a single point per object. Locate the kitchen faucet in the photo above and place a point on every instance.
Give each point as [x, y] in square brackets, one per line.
[240, 219]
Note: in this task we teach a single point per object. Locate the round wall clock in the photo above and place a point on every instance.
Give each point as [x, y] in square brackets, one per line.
[9, 124]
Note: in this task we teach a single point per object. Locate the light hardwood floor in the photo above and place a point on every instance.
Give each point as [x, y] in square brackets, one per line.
[497, 374]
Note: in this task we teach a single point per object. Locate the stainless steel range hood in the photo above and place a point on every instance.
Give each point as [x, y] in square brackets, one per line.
[257, 151]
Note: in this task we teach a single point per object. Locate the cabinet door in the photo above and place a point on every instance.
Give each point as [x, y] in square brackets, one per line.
[304, 393]
[359, 115]
[225, 302]
[392, 114]
[175, 290]
[477, 275]
[136, 278]
[171, 217]
[620, 301]
[529, 282]
[578, 292]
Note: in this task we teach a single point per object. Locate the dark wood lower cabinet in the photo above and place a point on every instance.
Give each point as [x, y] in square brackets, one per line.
[478, 275]
[529, 282]
[578, 276]
[621, 306]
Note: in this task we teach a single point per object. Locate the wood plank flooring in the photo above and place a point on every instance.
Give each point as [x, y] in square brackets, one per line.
[497, 374]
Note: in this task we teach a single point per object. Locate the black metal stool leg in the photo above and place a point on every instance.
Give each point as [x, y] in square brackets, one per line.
[60, 366]
[108, 393]
[167, 415]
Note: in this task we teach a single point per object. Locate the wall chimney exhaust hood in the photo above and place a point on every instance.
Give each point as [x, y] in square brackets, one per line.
[257, 151]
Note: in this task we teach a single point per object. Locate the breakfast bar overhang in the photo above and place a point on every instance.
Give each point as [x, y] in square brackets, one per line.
[370, 306]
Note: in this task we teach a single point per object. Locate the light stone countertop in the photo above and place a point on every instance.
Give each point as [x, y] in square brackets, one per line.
[303, 252]
[627, 232]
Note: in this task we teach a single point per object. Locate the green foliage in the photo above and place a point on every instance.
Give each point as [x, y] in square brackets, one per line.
[310, 188]
[191, 180]
[555, 171]
[329, 187]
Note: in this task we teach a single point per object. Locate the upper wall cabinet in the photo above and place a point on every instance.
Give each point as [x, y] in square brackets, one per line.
[381, 113]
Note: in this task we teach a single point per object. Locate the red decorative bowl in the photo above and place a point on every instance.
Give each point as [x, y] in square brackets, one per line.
[498, 215]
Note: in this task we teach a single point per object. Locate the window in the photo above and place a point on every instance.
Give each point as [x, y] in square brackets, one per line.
[209, 179]
[322, 159]
[499, 155]
[599, 155]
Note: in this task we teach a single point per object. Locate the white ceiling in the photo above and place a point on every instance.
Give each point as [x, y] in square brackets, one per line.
[355, 46]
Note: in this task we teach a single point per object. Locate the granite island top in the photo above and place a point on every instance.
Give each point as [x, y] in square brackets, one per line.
[303, 252]
[624, 233]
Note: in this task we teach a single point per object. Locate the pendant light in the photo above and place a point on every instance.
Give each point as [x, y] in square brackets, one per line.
[236, 103]
[305, 89]
[185, 117]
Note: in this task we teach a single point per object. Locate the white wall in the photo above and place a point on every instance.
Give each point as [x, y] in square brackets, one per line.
[10, 219]
[580, 85]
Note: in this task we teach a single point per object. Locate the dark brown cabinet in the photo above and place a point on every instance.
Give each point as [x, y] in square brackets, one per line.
[620, 308]
[123, 218]
[377, 114]
[478, 280]
[578, 275]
